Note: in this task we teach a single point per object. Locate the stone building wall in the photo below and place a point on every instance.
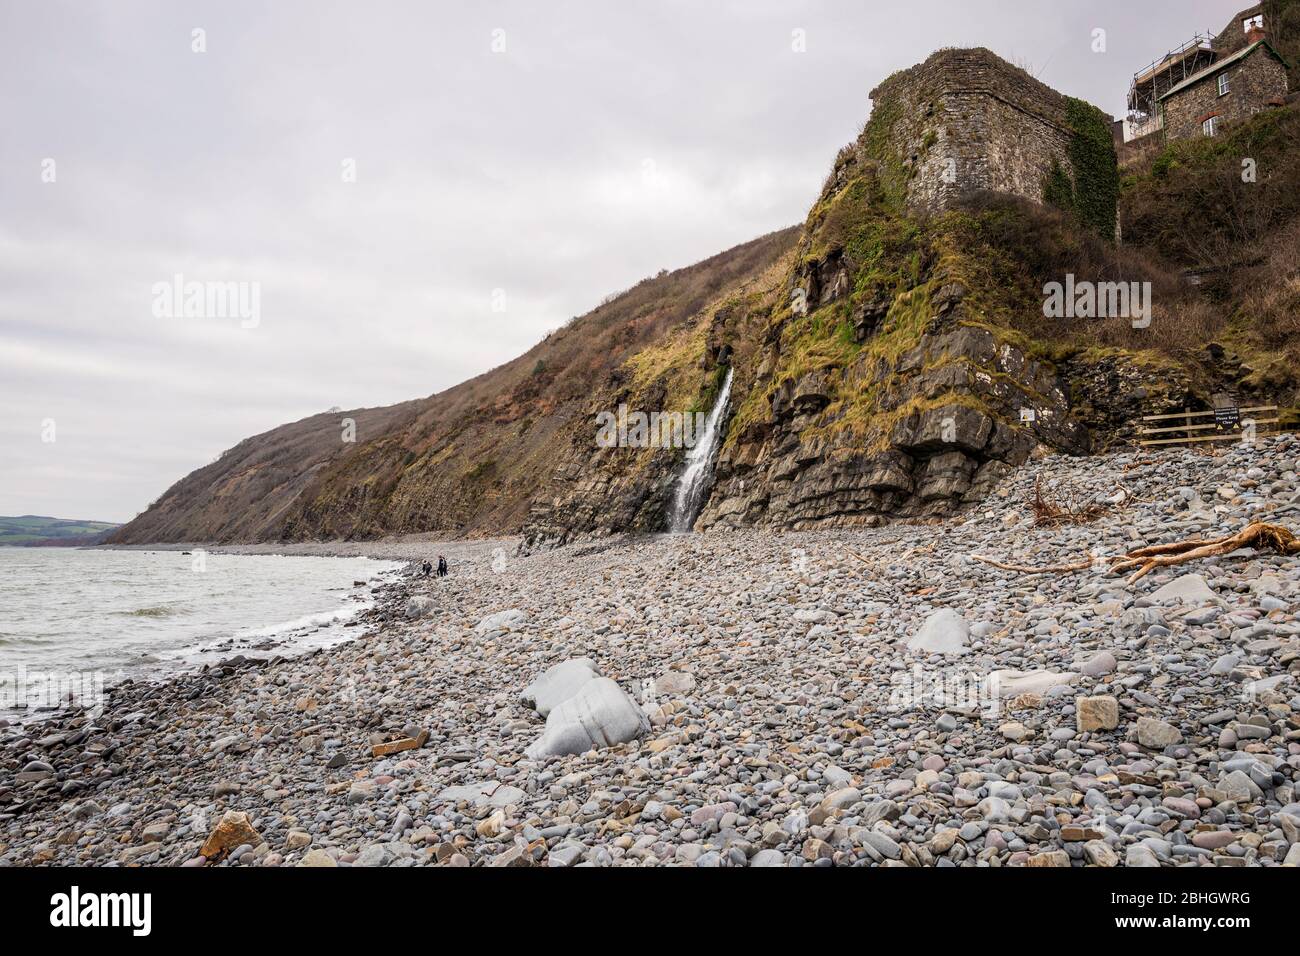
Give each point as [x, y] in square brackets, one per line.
[967, 120]
[1254, 83]
[1233, 37]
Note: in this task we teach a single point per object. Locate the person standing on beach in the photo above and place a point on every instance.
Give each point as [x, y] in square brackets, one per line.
[442, 566]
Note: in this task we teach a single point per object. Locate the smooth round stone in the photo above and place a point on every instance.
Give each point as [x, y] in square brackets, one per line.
[1214, 839]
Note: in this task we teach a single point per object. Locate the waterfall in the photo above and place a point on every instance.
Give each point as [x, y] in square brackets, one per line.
[698, 474]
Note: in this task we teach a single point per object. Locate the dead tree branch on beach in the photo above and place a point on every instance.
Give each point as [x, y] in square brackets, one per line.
[1261, 536]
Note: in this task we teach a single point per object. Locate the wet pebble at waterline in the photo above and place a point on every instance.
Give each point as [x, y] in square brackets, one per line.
[841, 697]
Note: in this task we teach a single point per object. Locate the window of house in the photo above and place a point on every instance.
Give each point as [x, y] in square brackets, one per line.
[1211, 126]
[1224, 84]
[1253, 23]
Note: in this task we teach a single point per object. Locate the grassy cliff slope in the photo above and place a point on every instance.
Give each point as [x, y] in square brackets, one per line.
[465, 461]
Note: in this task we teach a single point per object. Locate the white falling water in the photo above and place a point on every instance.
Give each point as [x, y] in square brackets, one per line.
[700, 460]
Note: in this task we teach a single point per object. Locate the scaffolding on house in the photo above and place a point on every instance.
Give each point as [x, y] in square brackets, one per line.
[1161, 76]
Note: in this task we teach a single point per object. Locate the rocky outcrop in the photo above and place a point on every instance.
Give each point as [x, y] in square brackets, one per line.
[596, 493]
[962, 410]
[883, 380]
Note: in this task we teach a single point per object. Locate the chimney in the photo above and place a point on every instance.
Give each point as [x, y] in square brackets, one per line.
[1255, 34]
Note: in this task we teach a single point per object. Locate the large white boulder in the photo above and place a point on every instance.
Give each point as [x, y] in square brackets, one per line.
[502, 621]
[558, 684]
[944, 632]
[601, 714]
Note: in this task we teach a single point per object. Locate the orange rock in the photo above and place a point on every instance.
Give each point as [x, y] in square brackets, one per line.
[1054, 858]
[397, 746]
[233, 830]
[1080, 834]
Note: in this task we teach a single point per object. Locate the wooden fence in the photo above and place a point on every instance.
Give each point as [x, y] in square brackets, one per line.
[1216, 424]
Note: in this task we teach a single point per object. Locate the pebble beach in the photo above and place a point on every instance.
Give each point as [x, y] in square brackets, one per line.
[842, 697]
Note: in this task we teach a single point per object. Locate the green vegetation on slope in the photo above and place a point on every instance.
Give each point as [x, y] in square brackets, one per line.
[29, 529]
[1207, 202]
[1092, 196]
[1228, 207]
[1001, 252]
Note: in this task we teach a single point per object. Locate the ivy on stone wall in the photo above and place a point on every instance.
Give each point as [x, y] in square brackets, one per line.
[1093, 194]
[1058, 189]
[877, 145]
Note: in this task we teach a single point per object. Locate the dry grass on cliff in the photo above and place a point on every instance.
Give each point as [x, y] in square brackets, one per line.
[1208, 202]
[1192, 206]
[1270, 293]
[1266, 326]
[1025, 246]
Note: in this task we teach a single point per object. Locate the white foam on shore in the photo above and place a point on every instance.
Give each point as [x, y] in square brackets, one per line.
[306, 622]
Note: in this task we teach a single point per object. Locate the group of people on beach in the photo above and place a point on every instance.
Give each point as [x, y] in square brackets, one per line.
[427, 569]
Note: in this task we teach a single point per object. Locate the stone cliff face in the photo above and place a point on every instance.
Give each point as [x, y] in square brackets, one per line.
[952, 405]
[596, 492]
[925, 410]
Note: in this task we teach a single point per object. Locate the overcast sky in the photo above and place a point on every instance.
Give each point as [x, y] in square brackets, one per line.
[514, 163]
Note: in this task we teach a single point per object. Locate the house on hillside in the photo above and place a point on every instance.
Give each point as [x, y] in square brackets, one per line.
[1237, 87]
[1208, 81]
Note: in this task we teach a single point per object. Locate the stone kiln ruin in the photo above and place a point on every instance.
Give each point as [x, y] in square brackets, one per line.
[967, 120]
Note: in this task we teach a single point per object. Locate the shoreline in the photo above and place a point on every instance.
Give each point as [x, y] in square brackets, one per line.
[768, 666]
[275, 639]
[407, 553]
[409, 548]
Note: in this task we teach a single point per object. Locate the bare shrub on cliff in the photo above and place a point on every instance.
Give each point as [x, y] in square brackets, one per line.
[1061, 504]
[1029, 245]
[1193, 205]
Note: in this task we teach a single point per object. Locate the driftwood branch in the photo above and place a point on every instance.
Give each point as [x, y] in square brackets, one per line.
[1260, 536]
